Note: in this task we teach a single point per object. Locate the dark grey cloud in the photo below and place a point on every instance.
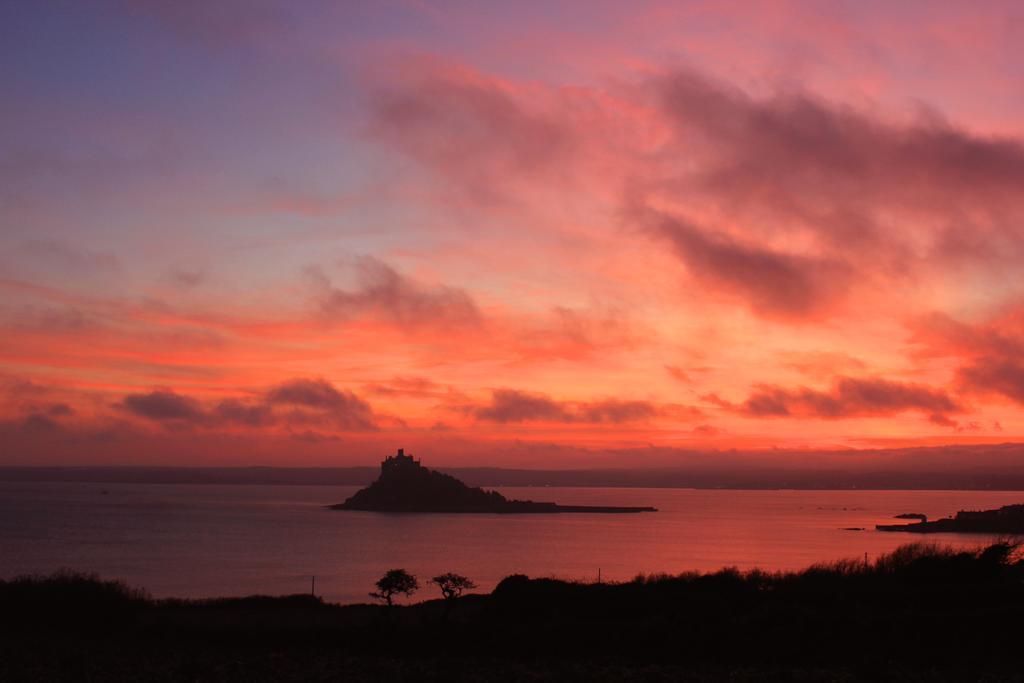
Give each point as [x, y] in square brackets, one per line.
[60, 410]
[381, 292]
[164, 405]
[614, 410]
[38, 424]
[21, 388]
[299, 401]
[343, 407]
[315, 393]
[511, 405]
[999, 375]
[243, 412]
[989, 352]
[773, 284]
[848, 397]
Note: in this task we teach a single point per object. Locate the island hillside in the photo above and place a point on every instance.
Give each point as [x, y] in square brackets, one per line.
[404, 485]
[1008, 519]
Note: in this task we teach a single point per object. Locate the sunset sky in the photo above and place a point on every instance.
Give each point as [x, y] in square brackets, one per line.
[308, 233]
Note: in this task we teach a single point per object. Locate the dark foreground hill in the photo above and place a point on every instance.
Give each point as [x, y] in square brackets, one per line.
[920, 613]
[404, 485]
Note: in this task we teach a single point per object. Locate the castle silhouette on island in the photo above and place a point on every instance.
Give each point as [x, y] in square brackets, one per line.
[405, 485]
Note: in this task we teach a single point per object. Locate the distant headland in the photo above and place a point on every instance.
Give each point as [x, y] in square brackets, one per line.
[404, 485]
[1008, 519]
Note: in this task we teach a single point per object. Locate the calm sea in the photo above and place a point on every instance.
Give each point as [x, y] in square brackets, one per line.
[202, 541]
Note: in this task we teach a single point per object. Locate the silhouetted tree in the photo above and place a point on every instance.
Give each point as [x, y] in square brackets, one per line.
[395, 581]
[452, 585]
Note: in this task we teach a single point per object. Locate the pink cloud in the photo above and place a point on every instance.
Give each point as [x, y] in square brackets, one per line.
[470, 126]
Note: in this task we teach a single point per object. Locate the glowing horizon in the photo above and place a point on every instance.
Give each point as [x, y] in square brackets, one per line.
[310, 233]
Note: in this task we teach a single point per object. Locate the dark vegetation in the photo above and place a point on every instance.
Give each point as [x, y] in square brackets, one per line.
[395, 582]
[452, 585]
[919, 613]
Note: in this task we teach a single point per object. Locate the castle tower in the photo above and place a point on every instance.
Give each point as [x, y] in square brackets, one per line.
[399, 462]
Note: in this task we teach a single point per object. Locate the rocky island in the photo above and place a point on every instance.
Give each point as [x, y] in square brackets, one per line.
[1008, 519]
[404, 485]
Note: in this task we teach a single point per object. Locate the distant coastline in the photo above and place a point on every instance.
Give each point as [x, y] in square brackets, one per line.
[494, 477]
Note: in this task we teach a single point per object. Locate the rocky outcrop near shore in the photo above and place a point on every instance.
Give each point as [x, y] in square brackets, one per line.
[1008, 519]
